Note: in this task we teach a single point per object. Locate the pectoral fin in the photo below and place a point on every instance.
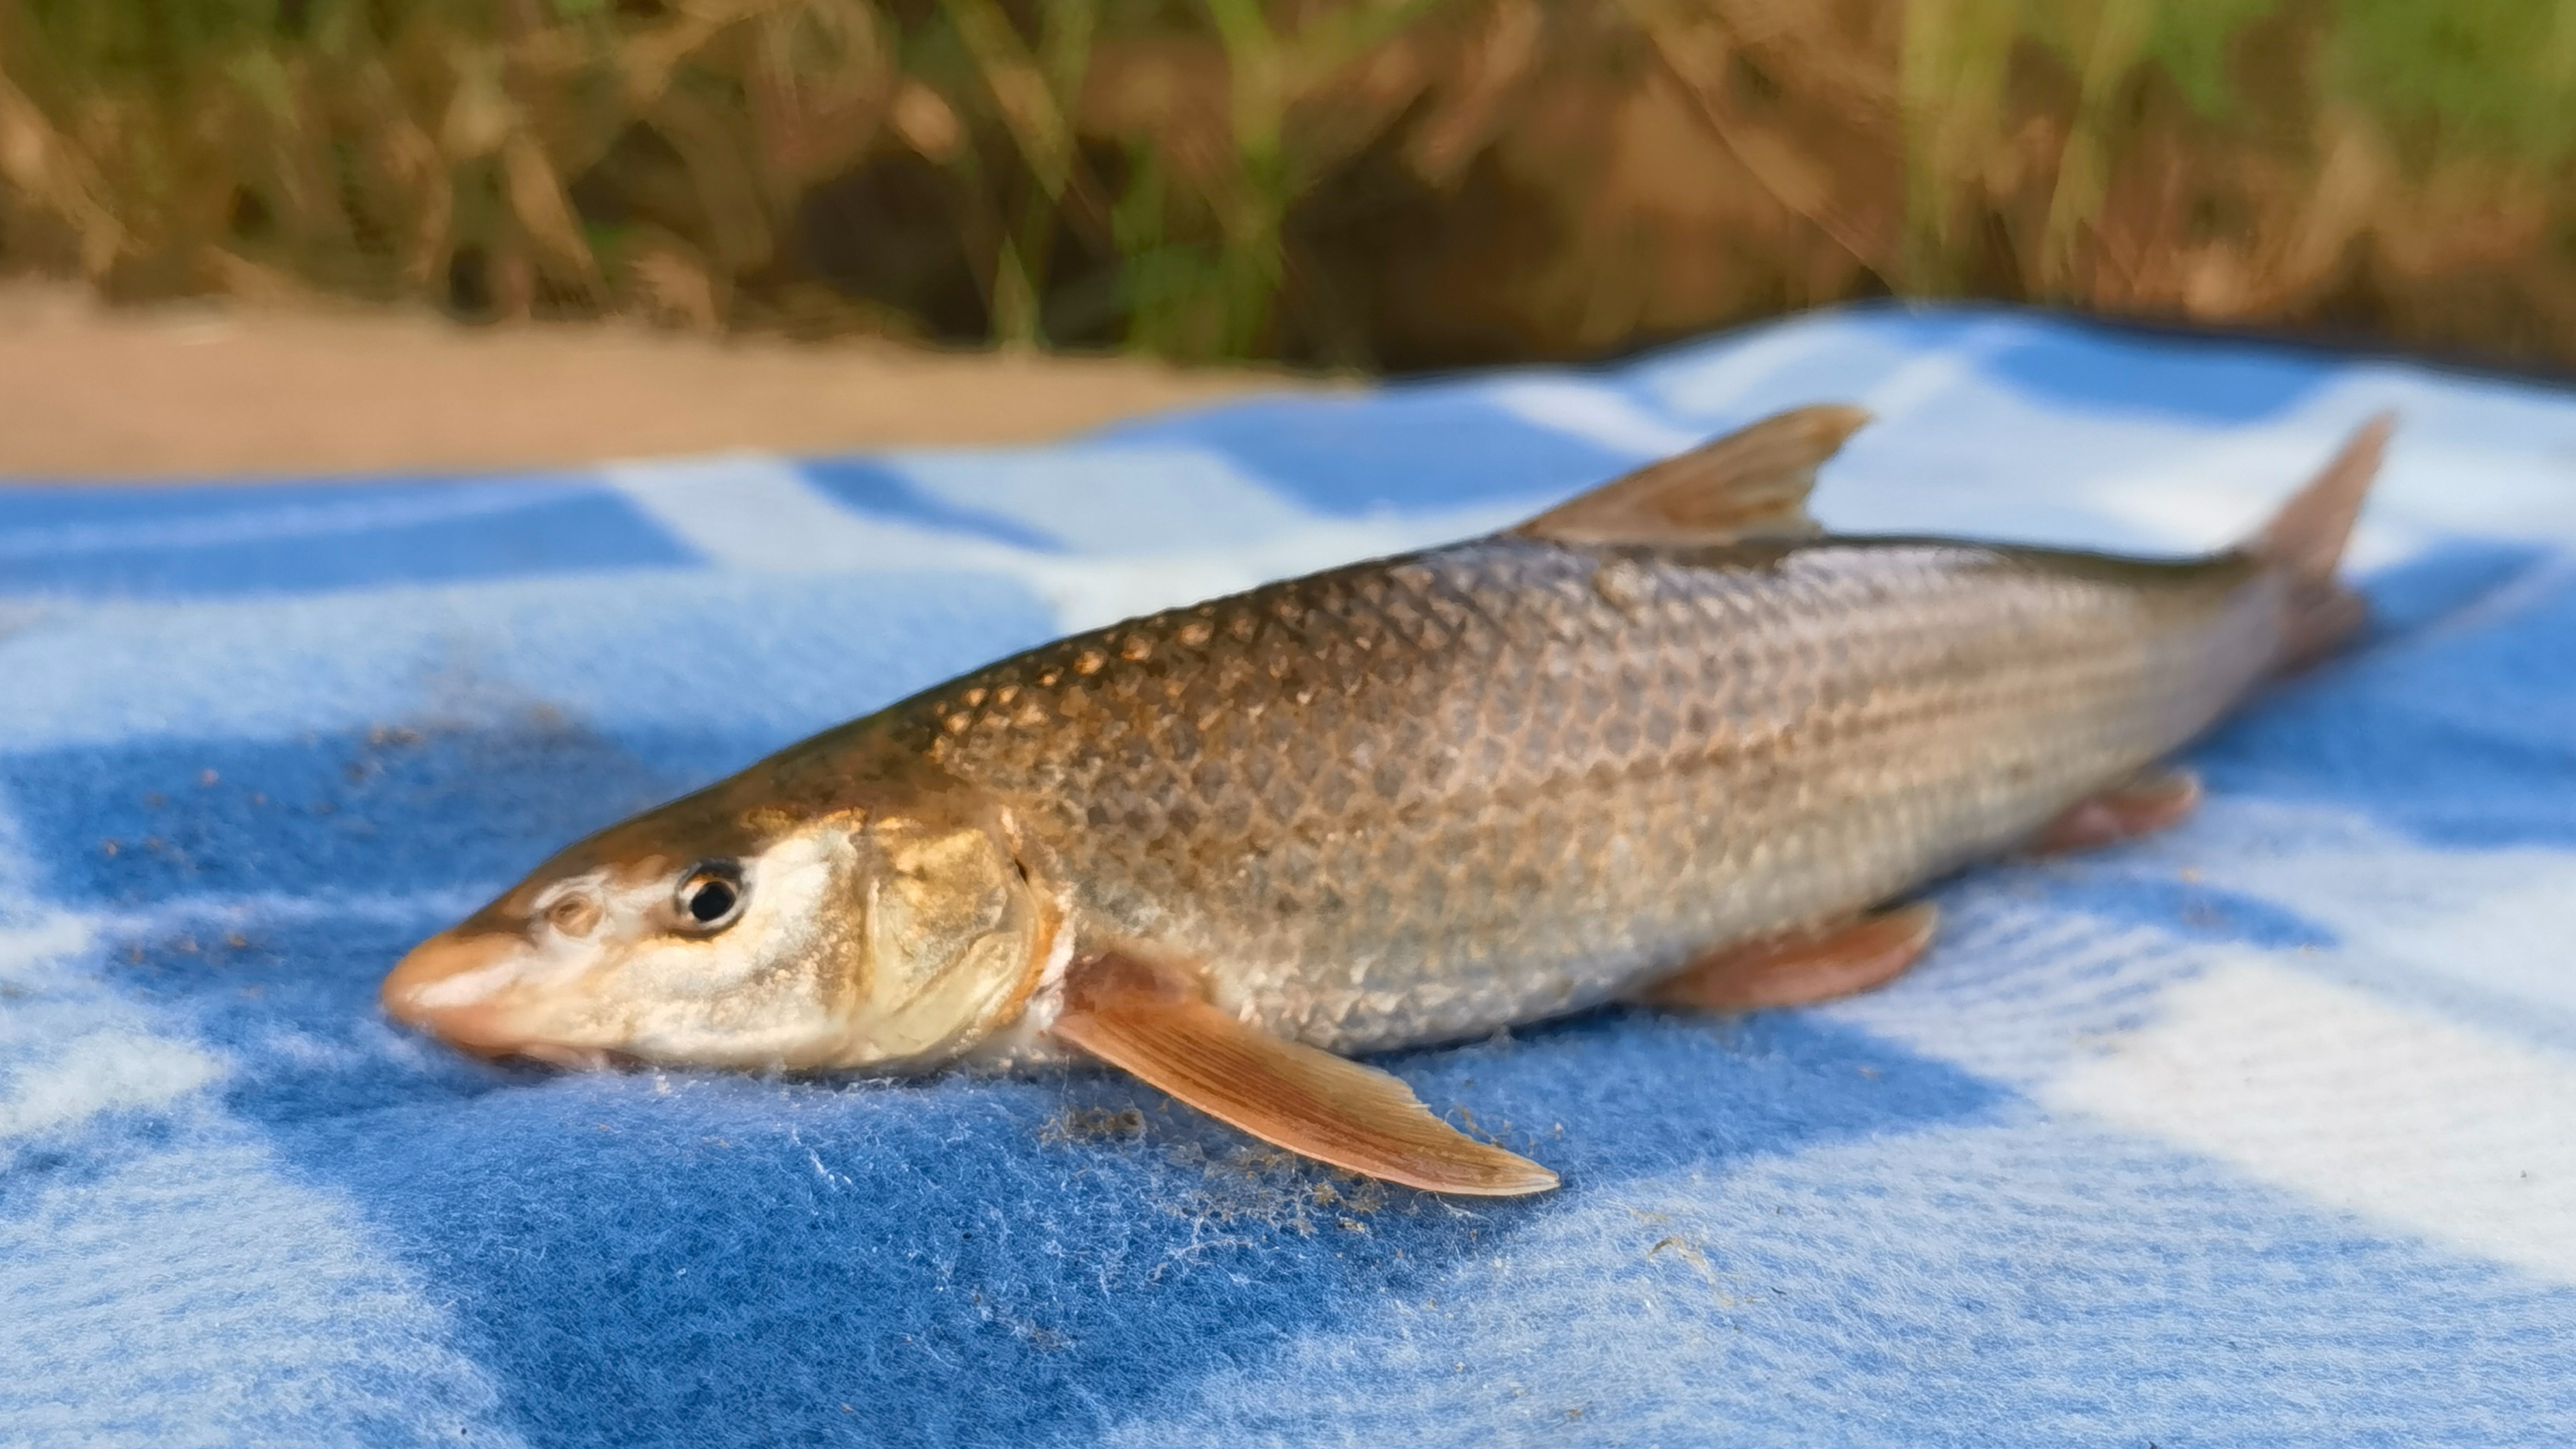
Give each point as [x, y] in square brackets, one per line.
[1802, 967]
[1150, 1022]
[2155, 801]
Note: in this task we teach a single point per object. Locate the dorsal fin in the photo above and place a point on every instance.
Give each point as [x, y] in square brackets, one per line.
[1752, 483]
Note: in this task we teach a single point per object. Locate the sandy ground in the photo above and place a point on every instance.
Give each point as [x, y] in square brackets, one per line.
[204, 392]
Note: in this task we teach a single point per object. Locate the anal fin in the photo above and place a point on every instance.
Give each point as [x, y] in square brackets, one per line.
[1800, 968]
[1149, 1021]
[2157, 800]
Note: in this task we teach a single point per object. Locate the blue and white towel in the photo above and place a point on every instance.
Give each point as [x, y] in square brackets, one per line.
[2261, 1132]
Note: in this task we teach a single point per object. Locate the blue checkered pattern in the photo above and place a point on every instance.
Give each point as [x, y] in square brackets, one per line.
[2255, 1133]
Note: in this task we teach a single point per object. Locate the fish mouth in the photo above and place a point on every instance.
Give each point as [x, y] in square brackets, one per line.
[456, 988]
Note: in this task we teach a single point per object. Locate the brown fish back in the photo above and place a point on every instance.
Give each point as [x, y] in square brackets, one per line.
[1426, 797]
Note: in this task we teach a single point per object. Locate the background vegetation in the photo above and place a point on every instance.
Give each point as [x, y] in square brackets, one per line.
[1378, 183]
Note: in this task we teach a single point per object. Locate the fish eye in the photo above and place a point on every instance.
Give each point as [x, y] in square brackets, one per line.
[710, 896]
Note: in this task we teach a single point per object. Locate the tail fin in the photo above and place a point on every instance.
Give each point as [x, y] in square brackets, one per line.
[2305, 541]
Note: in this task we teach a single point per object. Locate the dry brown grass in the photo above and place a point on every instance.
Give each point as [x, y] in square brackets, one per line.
[1345, 182]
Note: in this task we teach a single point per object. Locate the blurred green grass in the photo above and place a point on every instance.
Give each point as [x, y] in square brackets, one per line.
[1346, 183]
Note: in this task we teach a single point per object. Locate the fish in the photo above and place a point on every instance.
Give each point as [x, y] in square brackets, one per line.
[1669, 742]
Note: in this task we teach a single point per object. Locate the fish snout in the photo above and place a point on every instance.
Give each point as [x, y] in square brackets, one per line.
[453, 986]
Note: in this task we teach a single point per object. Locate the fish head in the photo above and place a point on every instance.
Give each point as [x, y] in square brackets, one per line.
[891, 933]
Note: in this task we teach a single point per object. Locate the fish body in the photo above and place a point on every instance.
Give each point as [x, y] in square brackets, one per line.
[1422, 798]
[1665, 741]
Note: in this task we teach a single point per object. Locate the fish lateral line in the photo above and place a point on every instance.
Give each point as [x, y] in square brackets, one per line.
[1227, 849]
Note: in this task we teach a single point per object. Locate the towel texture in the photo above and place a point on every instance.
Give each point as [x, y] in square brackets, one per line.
[2254, 1133]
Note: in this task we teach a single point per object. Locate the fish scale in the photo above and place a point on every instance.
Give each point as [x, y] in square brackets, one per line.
[1661, 740]
[1427, 797]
